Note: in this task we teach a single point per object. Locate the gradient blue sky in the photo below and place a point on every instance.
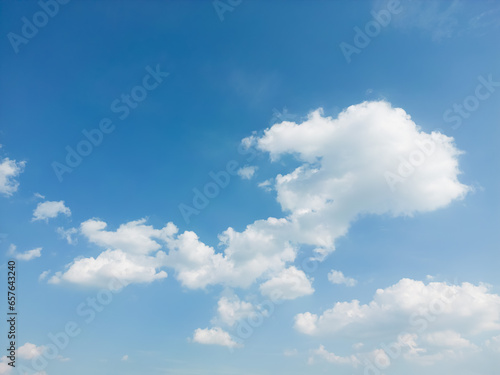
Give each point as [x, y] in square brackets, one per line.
[265, 62]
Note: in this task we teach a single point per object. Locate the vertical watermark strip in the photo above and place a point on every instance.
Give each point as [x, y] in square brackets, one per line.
[11, 313]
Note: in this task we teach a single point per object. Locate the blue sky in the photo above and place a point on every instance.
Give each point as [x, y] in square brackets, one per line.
[317, 251]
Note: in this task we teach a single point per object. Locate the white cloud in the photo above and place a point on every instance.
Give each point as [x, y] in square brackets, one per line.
[306, 323]
[125, 357]
[231, 309]
[131, 255]
[337, 277]
[247, 172]
[49, 210]
[262, 249]
[290, 283]
[30, 254]
[341, 177]
[27, 255]
[465, 308]
[345, 163]
[43, 275]
[30, 351]
[134, 255]
[68, 234]
[405, 347]
[213, 336]
[9, 170]
[332, 357]
[133, 237]
[109, 266]
[444, 349]
[435, 322]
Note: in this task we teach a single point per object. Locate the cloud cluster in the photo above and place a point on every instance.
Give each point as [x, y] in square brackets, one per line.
[127, 258]
[430, 322]
[469, 308]
[341, 174]
[341, 177]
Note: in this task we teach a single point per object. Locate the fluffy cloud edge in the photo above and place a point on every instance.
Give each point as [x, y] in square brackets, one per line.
[214, 336]
[9, 171]
[49, 210]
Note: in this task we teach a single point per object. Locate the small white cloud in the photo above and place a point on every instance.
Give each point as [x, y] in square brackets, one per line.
[125, 357]
[266, 185]
[337, 277]
[43, 275]
[27, 255]
[67, 234]
[333, 358]
[30, 351]
[49, 210]
[9, 170]
[290, 352]
[30, 254]
[38, 195]
[247, 172]
[213, 336]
